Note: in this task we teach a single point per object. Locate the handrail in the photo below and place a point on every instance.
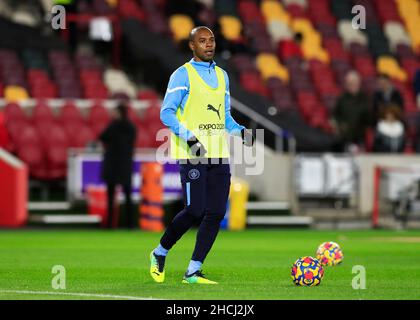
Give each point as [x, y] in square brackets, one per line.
[274, 128]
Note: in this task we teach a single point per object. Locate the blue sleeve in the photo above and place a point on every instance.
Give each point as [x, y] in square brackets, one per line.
[230, 124]
[178, 87]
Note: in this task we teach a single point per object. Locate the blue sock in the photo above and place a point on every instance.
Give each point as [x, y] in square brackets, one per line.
[194, 266]
[160, 251]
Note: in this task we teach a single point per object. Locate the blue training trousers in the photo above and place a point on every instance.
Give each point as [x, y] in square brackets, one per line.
[205, 190]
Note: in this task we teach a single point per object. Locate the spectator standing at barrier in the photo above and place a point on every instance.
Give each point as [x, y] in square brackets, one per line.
[389, 131]
[416, 85]
[4, 136]
[351, 115]
[119, 139]
[291, 48]
[385, 95]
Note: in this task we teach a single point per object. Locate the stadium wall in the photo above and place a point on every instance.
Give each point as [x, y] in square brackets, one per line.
[275, 182]
[367, 164]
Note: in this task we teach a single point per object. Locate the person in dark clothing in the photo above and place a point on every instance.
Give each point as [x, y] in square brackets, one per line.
[390, 132]
[351, 115]
[119, 139]
[385, 95]
[416, 82]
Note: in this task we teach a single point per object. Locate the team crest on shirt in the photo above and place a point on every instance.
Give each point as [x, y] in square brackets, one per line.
[193, 174]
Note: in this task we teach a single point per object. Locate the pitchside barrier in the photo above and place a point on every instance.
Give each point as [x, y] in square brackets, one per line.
[153, 183]
[396, 194]
[377, 187]
[13, 191]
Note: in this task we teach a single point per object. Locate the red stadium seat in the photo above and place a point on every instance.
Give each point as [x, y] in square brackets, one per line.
[98, 118]
[69, 113]
[33, 156]
[144, 139]
[80, 135]
[42, 113]
[147, 94]
[13, 112]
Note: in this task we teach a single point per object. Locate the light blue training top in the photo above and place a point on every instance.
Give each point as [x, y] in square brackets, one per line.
[177, 94]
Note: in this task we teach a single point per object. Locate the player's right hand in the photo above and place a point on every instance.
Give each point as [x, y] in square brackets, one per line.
[197, 149]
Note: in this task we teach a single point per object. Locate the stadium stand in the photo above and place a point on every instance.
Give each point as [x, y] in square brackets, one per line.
[302, 79]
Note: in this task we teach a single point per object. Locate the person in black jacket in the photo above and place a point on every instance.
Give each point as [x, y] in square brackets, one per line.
[119, 139]
[384, 96]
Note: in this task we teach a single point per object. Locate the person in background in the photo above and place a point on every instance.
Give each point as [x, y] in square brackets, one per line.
[291, 48]
[119, 139]
[389, 131]
[416, 86]
[4, 136]
[351, 114]
[385, 95]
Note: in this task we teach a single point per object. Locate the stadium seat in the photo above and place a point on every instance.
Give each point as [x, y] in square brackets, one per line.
[144, 138]
[69, 113]
[42, 113]
[79, 135]
[33, 156]
[231, 27]
[350, 35]
[13, 113]
[252, 82]
[180, 25]
[274, 11]
[244, 62]
[278, 31]
[249, 12]
[24, 133]
[269, 66]
[410, 13]
[396, 34]
[98, 119]
[147, 94]
[117, 81]
[152, 114]
[15, 93]
[130, 9]
[388, 65]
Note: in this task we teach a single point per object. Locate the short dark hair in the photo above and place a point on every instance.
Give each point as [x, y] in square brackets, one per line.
[384, 76]
[298, 37]
[393, 109]
[122, 109]
[195, 30]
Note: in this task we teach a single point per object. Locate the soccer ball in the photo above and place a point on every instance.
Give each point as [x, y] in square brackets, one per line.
[307, 271]
[329, 254]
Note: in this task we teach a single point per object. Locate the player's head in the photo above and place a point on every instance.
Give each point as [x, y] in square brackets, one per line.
[384, 82]
[298, 37]
[202, 43]
[352, 82]
[121, 111]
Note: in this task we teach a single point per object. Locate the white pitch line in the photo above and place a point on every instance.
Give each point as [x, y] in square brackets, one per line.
[93, 295]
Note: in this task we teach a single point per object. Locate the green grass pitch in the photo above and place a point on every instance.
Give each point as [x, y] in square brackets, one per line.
[252, 264]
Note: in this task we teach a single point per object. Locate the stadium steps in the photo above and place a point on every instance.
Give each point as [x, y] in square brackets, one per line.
[340, 219]
[274, 214]
[64, 219]
[326, 214]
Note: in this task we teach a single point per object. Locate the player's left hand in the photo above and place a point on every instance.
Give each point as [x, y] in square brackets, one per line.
[248, 138]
